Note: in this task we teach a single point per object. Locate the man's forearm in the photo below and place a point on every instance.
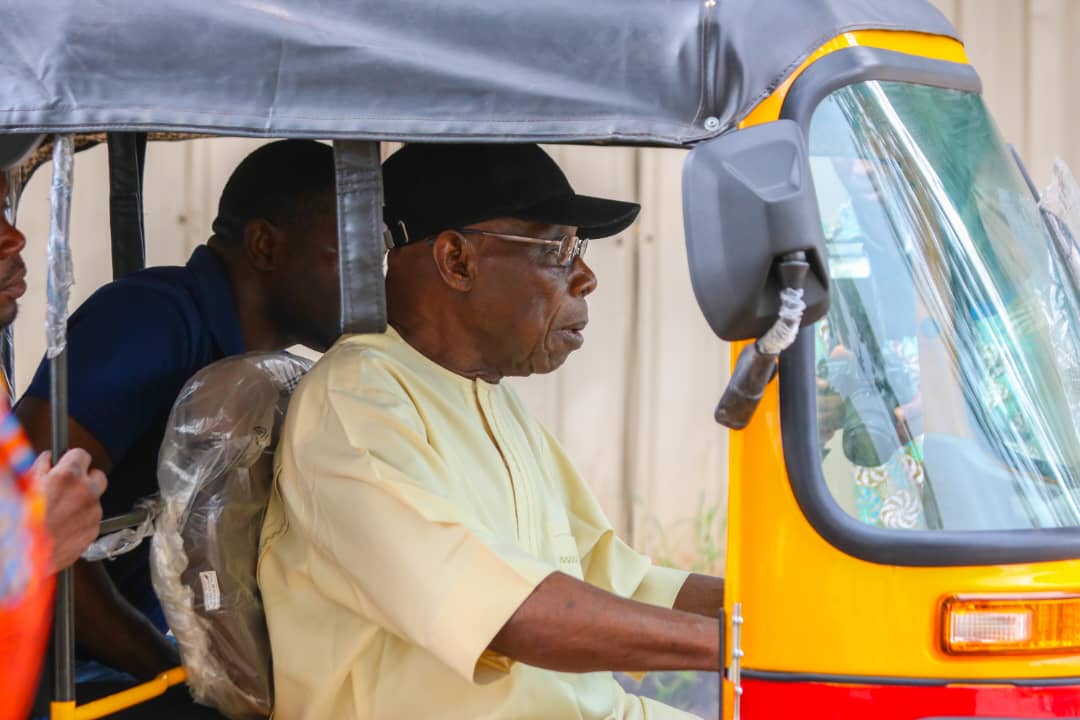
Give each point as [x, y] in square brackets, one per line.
[569, 626]
[114, 632]
[701, 595]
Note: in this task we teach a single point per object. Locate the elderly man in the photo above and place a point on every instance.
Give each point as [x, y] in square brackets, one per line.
[266, 279]
[430, 551]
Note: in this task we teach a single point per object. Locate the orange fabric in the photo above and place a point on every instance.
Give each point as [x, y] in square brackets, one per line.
[24, 629]
[24, 621]
[25, 617]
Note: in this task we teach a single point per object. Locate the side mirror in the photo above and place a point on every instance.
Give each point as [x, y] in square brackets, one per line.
[15, 148]
[748, 200]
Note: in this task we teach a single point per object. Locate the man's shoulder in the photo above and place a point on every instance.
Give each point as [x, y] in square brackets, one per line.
[383, 371]
[165, 290]
[356, 362]
[355, 382]
[145, 329]
[166, 283]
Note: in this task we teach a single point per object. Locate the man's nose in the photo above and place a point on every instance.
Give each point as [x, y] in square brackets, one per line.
[12, 241]
[583, 281]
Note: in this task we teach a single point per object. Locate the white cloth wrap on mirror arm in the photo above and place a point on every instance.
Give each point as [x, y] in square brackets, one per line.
[786, 328]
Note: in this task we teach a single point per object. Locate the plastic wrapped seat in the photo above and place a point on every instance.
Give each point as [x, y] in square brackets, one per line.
[215, 470]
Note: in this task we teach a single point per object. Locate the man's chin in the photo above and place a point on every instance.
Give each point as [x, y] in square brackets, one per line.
[551, 362]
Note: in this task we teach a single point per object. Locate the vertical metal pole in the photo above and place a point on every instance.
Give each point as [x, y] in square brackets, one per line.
[58, 288]
[7, 361]
[7, 335]
[64, 612]
[735, 674]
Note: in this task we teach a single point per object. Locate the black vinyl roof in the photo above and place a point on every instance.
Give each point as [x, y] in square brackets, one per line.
[651, 71]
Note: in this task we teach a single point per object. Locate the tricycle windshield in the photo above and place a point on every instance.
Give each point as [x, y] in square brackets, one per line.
[948, 367]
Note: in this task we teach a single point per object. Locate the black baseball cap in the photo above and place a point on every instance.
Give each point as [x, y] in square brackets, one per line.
[429, 188]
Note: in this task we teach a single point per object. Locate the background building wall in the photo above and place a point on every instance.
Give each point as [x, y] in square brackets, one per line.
[634, 406]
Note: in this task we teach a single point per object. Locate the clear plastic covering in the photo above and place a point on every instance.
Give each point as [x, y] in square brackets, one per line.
[14, 178]
[947, 365]
[215, 470]
[61, 274]
[1060, 204]
[124, 541]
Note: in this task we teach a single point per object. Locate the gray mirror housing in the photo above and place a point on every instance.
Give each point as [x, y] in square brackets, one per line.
[748, 198]
[15, 148]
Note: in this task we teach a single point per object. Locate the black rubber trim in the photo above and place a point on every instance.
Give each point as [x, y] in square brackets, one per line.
[791, 677]
[798, 401]
[859, 64]
[127, 158]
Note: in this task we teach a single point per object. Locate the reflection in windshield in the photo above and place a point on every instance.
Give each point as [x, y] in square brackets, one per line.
[948, 383]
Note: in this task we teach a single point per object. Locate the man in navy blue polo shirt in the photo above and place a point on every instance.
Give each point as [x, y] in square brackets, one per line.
[267, 279]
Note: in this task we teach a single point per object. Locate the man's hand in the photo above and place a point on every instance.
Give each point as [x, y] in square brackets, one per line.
[72, 504]
[909, 419]
[830, 411]
[108, 628]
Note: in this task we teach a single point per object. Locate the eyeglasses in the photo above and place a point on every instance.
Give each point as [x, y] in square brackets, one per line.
[570, 247]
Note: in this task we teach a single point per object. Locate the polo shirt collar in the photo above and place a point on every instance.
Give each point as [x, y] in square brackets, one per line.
[213, 293]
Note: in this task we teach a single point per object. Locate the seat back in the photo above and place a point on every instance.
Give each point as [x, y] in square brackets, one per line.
[215, 470]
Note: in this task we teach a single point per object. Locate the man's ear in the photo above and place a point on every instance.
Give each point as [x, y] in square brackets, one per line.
[262, 244]
[455, 259]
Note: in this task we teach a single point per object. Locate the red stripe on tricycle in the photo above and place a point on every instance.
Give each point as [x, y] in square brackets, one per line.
[766, 700]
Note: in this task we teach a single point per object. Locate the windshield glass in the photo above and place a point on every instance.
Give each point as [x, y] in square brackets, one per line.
[948, 367]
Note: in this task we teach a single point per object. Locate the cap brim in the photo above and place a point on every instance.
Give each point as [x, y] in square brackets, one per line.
[593, 217]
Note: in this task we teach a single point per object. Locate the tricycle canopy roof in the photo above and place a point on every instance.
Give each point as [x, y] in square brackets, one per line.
[631, 71]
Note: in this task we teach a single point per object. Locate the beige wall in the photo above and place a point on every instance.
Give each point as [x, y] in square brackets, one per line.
[634, 407]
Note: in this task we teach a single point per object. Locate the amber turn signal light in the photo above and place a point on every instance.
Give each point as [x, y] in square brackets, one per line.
[1005, 624]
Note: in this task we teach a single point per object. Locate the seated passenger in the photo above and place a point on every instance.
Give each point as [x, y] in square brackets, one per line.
[265, 280]
[430, 551]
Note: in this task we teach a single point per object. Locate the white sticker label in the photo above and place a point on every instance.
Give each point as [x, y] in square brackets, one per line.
[210, 590]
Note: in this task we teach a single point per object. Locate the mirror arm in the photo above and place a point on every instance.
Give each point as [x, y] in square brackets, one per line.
[757, 365]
